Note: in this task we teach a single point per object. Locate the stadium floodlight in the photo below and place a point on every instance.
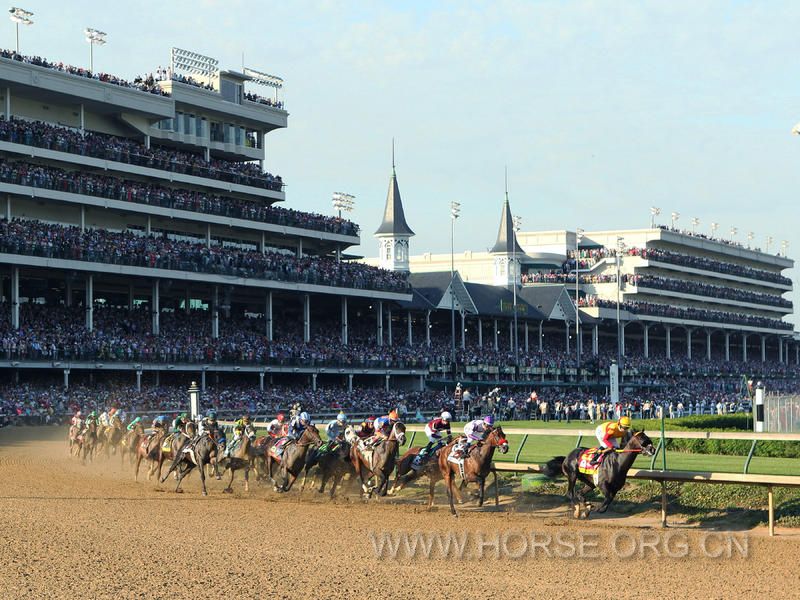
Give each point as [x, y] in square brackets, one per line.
[714, 227]
[193, 62]
[20, 16]
[343, 202]
[675, 216]
[769, 242]
[265, 79]
[516, 225]
[578, 239]
[734, 231]
[95, 37]
[784, 246]
[750, 236]
[796, 129]
[618, 257]
[455, 211]
[695, 223]
[654, 212]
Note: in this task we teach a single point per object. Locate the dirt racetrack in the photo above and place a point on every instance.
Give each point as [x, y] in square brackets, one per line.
[92, 532]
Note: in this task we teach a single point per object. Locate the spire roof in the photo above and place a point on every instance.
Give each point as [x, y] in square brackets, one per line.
[394, 219]
[506, 236]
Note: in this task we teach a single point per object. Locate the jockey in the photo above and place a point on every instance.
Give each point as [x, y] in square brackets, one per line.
[367, 428]
[238, 434]
[179, 422]
[609, 435]
[92, 418]
[134, 423]
[104, 418]
[298, 425]
[160, 422]
[335, 429]
[208, 424]
[276, 427]
[77, 420]
[435, 429]
[475, 431]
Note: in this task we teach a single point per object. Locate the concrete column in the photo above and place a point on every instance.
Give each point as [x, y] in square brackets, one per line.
[314, 382]
[494, 332]
[208, 235]
[379, 323]
[428, 328]
[203, 380]
[511, 335]
[622, 338]
[580, 341]
[158, 378]
[131, 296]
[215, 313]
[708, 345]
[797, 354]
[727, 346]
[595, 340]
[410, 330]
[350, 382]
[306, 318]
[345, 324]
[268, 316]
[763, 348]
[526, 337]
[68, 292]
[780, 350]
[155, 307]
[566, 334]
[89, 303]
[688, 343]
[147, 142]
[83, 218]
[83, 118]
[148, 225]
[261, 381]
[646, 333]
[9, 214]
[387, 383]
[480, 332]
[541, 336]
[389, 326]
[66, 379]
[463, 332]
[300, 248]
[263, 243]
[207, 153]
[744, 347]
[139, 380]
[15, 297]
[8, 104]
[668, 330]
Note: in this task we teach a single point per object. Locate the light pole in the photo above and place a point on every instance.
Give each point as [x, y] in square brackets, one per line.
[750, 236]
[714, 227]
[675, 216]
[654, 212]
[194, 400]
[769, 242]
[95, 37]
[695, 223]
[455, 210]
[517, 225]
[620, 250]
[578, 238]
[20, 16]
[734, 231]
[784, 246]
[342, 202]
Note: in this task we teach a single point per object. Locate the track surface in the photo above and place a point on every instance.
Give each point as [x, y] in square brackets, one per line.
[92, 532]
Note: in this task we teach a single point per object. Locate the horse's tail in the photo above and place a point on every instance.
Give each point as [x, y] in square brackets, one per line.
[552, 468]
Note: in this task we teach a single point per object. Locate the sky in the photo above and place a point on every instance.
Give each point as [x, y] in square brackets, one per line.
[599, 109]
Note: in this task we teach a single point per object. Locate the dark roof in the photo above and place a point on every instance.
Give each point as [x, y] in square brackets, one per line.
[497, 301]
[428, 288]
[506, 237]
[546, 297]
[394, 219]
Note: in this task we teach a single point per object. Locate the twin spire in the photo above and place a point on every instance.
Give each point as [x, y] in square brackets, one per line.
[506, 237]
[394, 218]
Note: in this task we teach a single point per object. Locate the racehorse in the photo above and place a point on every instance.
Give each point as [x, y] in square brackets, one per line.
[383, 460]
[476, 467]
[242, 458]
[294, 457]
[74, 431]
[112, 435]
[176, 444]
[611, 474]
[130, 442]
[197, 453]
[333, 465]
[149, 448]
[87, 442]
[405, 474]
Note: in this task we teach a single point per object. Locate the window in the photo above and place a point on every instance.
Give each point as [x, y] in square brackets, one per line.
[231, 91]
[216, 131]
[200, 127]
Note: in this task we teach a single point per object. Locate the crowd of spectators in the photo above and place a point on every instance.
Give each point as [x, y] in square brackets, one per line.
[705, 289]
[130, 151]
[137, 84]
[250, 97]
[36, 238]
[88, 184]
[566, 278]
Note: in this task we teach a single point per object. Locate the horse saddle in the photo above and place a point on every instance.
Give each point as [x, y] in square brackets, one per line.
[278, 447]
[166, 445]
[586, 464]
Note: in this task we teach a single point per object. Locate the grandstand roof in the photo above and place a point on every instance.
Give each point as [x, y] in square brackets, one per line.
[506, 237]
[394, 219]
[552, 300]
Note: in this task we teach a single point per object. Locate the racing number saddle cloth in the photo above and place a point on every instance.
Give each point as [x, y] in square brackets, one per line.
[166, 445]
[278, 447]
[585, 465]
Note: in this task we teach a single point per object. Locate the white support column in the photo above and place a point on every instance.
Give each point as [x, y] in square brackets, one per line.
[203, 380]
[580, 341]
[526, 337]
[350, 382]
[727, 346]
[797, 354]
[208, 235]
[744, 347]
[66, 379]
[708, 344]
[83, 218]
[622, 338]
[566, 334]
[83, 118]
[379, 323]
[15, 297]
[463, 330]
[9, 214]
[480, 332]
[387, 383]
[268, 316]
[148, 225]
[307, 318]
[688, 343]
[155, 307]
[314, 382]
[345, 324]
[668, 331]
[8, 104]
[147, 142]
[89, 303]
[139, 380]
[646, 334]
[595, 340]
[261, 381]
[763, 348]
[541, 337]
[215, 313]
[300, 248]
[780, 350]
[410, 339]
[428, 328]
[207, 153]
[511, 335]
[494, 332]
[389, 326]
[263, 243]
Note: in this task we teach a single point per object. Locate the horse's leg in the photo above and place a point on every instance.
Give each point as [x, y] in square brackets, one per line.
[247, 478]
[181, 473]
[609, 497]
[572, 477]
[334, 482]
[229, 489]
[290, 479]
[203, 477]
[481, 490]
[496, 489]
[430, 492]
[175, 462]
[448, 479]
[138, 462]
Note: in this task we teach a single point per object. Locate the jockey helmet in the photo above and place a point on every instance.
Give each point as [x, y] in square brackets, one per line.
[79, 414]
[112, 412]
[304, 416]
[246, 418]
[446, 416]
[393, 415]
[281, 417]
[370, 419]
[341, 417]
[488, 419]
[625, 422]
[184, 416]
[211, 413]
[93, 413]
